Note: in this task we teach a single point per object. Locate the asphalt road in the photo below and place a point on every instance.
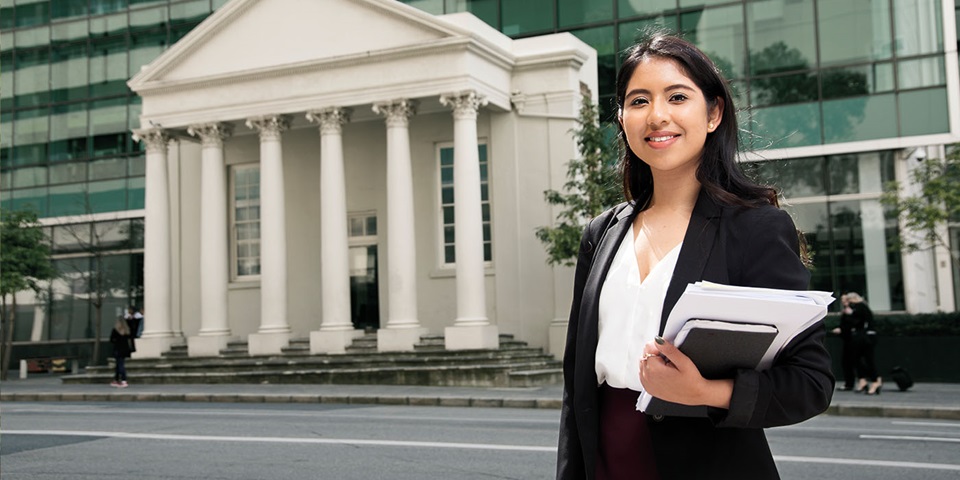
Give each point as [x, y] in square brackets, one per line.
[167, 440]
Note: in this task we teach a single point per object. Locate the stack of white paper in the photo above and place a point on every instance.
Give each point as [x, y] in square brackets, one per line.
[791, 312]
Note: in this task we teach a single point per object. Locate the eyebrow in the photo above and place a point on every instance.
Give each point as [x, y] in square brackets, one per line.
[677, 86]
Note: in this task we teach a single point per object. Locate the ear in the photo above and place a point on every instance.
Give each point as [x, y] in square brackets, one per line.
[715, 115]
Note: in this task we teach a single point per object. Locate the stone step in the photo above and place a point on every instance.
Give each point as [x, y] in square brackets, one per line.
[481, 375]
[236, 348]
[176, 351]
[224, 364]
[297, 346]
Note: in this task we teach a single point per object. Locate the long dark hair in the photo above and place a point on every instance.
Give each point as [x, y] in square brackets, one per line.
[718, 173]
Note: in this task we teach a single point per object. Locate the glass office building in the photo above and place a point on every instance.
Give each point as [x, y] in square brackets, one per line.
[833, 94]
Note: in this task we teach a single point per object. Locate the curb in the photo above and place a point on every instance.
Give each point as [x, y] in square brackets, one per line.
[939, 413]
[292, 398]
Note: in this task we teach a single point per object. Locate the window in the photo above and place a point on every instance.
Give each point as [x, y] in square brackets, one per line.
[246, 220]
[447, 204]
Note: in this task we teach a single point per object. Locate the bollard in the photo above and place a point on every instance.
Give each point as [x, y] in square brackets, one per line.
[23, 369]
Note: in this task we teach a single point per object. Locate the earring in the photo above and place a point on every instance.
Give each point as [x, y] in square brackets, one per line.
[710, 126]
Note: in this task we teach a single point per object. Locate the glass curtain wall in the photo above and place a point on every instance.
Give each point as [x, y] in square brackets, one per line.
[65, 144]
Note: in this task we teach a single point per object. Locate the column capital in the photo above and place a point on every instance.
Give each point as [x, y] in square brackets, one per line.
[154, 138]
[398, 112]
[269, 126]
[331, 119]
[211, 134]
[464, 104]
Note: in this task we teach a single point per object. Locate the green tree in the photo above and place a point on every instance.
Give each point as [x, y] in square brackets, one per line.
[24, 264]
[936, 203]
[593, 185]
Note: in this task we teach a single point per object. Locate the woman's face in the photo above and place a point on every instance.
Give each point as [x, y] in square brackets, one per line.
[665, 117]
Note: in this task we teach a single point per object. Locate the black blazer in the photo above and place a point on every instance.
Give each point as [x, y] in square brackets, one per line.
[734, 245]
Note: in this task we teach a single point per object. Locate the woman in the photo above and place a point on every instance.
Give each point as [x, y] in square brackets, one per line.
[122, 340]
[850, 355]
[690, 215]
[865, 339]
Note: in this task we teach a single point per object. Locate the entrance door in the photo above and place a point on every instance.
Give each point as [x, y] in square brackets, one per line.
[364, 288]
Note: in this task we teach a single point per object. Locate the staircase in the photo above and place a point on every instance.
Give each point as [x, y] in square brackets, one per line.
[513, 364]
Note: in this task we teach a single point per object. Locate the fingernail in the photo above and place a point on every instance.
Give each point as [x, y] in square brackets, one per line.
[658, 339]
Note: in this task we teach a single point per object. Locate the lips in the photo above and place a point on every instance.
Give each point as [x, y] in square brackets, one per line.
[661, 139]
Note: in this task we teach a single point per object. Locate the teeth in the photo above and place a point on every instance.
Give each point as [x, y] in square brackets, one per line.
[661, 139]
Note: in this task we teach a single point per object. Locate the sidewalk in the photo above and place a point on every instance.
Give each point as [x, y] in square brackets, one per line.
[923, 400]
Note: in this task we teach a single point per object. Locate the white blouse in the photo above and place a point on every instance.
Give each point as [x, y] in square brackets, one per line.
[630, 314]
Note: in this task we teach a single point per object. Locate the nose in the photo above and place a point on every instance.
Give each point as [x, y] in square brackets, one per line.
[658, 114]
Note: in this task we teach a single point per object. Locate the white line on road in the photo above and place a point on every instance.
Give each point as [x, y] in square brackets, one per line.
[452, 445]
[330, 414]
[905, 437]
[928, 424]
[329, 441]
[873, 463]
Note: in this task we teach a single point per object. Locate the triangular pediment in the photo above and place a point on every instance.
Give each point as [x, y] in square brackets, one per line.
[246, 36]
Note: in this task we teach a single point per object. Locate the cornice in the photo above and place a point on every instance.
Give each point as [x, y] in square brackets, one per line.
[460, 44]
[570, 57]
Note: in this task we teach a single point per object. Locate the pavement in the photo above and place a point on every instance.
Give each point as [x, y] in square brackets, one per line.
[923, 400]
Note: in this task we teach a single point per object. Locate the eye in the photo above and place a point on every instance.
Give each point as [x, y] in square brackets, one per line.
[678, 97]
[639, 101]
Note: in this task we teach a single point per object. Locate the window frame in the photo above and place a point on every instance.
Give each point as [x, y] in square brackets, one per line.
[441, 259]
[235, 243]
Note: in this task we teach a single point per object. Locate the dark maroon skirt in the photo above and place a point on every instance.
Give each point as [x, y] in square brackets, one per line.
[625, 450]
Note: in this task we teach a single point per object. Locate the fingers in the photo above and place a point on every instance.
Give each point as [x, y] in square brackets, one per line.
[671, 353]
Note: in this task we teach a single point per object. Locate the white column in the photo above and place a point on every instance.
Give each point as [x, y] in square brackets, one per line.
[157, 328]
[403, 326]
[471, 329]
[39, 319]
[336, 326]
[274, 332]
[873, 227]
[214, 256]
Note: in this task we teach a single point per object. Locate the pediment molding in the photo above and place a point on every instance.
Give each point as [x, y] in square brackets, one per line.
[226, 15]
[443, 46]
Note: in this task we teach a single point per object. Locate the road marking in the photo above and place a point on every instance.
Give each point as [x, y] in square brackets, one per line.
[450, 445]
[328, 441]
[928, 424]
[872, 463]
[905, 437]
[331, 414]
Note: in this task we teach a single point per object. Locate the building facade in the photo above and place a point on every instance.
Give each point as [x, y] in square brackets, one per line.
[233, 105]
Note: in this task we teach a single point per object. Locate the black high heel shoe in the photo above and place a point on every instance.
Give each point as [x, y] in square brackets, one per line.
[861, 386]
[875, 391]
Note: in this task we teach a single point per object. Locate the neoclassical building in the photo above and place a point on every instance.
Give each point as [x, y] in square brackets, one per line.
[317, 168]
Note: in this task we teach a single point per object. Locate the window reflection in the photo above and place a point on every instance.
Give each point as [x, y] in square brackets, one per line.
[869, 22]
[719, 32]
[781, 35]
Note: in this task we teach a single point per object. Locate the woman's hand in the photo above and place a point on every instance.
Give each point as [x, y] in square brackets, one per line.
[836, 331]
[668, 374]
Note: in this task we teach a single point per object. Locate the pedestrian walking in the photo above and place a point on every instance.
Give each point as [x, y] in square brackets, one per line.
[122, 346]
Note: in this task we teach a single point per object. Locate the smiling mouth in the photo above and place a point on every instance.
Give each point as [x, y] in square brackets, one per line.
[663, 138]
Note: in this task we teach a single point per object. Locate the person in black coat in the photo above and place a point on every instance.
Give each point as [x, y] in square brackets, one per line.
[865, 339]
[850, 355]
[691, 208]
[122, 342]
